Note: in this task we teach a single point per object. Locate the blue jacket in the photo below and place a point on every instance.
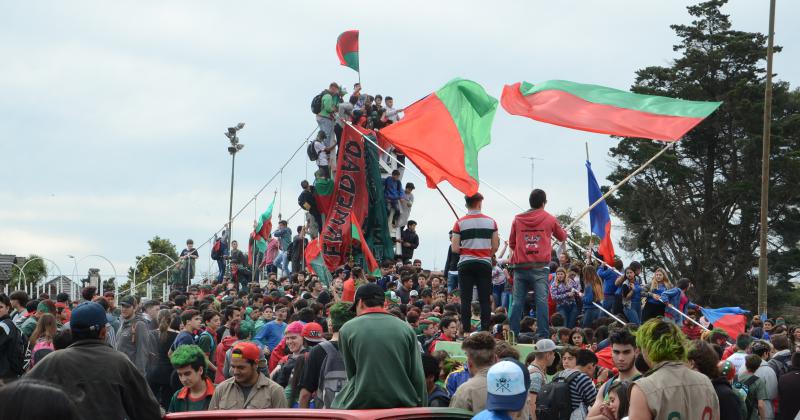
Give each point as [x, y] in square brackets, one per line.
[455, 379]
[658, 291]
[284, 235]
[588, 297]
[392, 189]
[673, 297]
[609, 276]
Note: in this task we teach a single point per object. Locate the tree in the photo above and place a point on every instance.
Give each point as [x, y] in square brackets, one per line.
[153, 265]
[695, 210]
[35, 270]
[578, 235]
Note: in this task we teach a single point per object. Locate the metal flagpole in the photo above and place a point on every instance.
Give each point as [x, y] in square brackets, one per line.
[763, 228]
[687, 317]
[668, 146]
[600, 307]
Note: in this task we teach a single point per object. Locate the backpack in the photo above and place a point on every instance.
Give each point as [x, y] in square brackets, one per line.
[553, 402]
[316, 103]
[750, 401]
[216, 250]
[779, 366]
[312, 152]
[19, 353]
[332, 376]
[210, 337]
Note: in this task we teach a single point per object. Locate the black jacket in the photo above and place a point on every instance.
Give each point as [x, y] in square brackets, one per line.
[411, 237]
[8, 340]
[101, 381]
[729, 402]
[788, 391]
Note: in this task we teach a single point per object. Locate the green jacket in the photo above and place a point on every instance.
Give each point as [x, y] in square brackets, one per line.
[329, 103]
[383, 364]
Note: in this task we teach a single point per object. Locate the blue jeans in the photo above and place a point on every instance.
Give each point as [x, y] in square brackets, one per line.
[283, 262]
[221, 267]
[452, 282]
[631, 314]
[590, 314]
[570, 313]
[608, 303]
[531, 279]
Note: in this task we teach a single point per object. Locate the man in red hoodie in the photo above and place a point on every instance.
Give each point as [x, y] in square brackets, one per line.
[530, 237]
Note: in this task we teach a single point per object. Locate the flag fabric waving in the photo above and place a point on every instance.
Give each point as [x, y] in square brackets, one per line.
[315, 263]
[261, 233]
[443, 132]
[605, 110]
[358, 238]
[347, 49]
[732, 320]
[599, 218]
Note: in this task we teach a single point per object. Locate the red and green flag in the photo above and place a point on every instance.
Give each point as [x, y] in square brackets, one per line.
[347, 49]
[605, 110]
[358, 238]
[315, 263]
[443, 132]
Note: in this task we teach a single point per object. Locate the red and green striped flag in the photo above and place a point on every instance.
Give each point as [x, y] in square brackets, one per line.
[315, 263]
[605, 110]
[443, 132]
[358, 238]
[263, 228]
[347, 49]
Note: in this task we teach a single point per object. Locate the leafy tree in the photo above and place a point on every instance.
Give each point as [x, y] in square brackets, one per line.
[153, 265]
[35, 270]
[695, 211]
[578, 235]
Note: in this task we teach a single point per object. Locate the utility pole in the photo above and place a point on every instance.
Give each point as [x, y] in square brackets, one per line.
[765, 152]
[533, 160]
[234, 148]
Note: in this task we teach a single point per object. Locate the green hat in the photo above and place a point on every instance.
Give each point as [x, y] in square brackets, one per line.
[43, 308]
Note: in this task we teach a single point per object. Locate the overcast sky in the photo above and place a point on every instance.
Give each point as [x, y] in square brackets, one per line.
[112, 113]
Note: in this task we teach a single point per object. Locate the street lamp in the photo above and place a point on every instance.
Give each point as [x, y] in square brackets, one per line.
[234, 148]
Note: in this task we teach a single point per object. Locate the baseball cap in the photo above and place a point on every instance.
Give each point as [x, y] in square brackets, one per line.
[367, 291]
[313, 332]
[127, 301]
[392, 296]
[413, 293]
[507, 383]
[246, 350]
[295, 327]
[88, 316]
[544, 345]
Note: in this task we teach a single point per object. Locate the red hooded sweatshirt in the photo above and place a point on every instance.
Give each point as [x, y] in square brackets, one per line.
[219, 356]
[530, 237]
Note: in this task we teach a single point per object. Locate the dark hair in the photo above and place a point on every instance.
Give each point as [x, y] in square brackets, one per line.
[557, 320]
[22, 399]
[209, 314]
[705, 359]
[584, 357]
[622, 336]
[504, 349]
[780, 342]
[526, 324]
[62, 339]
[796, 360]
[187, 316]
[5, 300]
[88, 292]
[411, 222]
[430, 365]
[395, 172]
[537, 199]
[472, 200]
[752, 362]
[446, 321]
[20, 296]
[623, 391]
[180, 300]
[479, 348]
[683, 283]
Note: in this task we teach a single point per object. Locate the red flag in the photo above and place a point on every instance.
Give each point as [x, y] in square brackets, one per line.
[347, 49]
[358, 237]
[350, 196]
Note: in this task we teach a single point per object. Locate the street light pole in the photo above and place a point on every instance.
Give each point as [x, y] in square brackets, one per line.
[234, 148]
[533, 167]
[763, 228]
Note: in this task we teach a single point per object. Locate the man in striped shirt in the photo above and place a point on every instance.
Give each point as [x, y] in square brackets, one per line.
[475, 240]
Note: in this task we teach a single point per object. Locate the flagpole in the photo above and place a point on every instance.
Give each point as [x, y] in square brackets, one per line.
[591, 236]
[253, 251]
[448, 202]
[624, 181]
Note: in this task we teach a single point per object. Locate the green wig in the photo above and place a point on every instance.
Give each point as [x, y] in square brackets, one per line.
[661, 341]
[189, 355]
[340, 313]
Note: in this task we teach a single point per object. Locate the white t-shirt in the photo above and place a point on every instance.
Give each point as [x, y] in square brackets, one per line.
[322, 155]
[737, 360]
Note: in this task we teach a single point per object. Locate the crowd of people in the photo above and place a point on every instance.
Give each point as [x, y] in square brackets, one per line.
[540, 334]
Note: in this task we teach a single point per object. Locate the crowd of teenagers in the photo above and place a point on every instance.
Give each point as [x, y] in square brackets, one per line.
[535, 342]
